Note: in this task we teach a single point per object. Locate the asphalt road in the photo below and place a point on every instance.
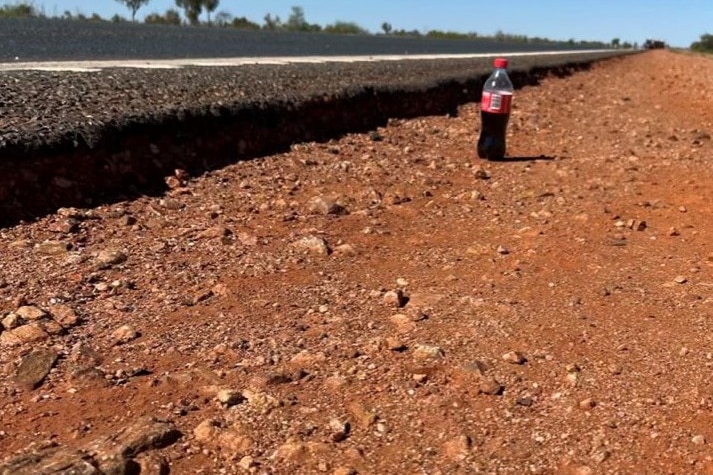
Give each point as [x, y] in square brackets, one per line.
[59, 40]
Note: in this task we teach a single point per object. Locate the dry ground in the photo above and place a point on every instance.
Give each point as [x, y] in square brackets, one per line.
[387, 303]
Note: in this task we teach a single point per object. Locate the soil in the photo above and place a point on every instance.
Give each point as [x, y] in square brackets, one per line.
[389, 303]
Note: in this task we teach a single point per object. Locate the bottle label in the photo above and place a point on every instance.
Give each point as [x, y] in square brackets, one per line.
[496, 102]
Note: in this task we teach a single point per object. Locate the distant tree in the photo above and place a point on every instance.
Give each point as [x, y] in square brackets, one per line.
[386, 28]
[19, 10]
[626, 45]
[615, 43]
[192, 9]
[296, 21]
[210, 6]
[345, 28]
[223, 18]
[244, 24]
[171, 17]
[704, 44]
[133, 6]
[272, 23]
[118, 19]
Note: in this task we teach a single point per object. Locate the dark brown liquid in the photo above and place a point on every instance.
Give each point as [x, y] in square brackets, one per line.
[491, 143]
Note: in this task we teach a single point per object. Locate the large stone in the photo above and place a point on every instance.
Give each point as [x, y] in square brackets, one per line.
[30, 313]
[109, 258]
[64, 315]
[30, 333]
[233, 438]
[109, 455]
[34, 368]
[53, 248]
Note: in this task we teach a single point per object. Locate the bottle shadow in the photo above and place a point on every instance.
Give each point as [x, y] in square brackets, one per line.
[526, 158]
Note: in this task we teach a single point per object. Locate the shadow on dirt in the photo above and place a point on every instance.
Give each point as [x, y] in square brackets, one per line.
[533, 158]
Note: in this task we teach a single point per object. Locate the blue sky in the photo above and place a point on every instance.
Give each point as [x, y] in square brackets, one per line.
[678, 22]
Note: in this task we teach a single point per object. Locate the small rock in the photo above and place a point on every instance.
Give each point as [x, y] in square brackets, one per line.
[481, 173]
[34, 368]
[109, 258]
[325, 206]
[12, 321]
[524, 401]
[215, 233]
[503, 251]
[247, 463]
[514, 357]
[395, 298]
[364, 416]
[403, 323]
[261, 401]
[587, 404]
[601, 456]
[152, 464]
[428, 352]
[53, 248]
[490, 386]
[233, 438]
[345, 250]
[673, 232]
[124, 334]
[394, 344]
[229, 397]
[698, 439]
[64, 315]
[313, 245]
[680, 279]
[457, 449]
[339, 430]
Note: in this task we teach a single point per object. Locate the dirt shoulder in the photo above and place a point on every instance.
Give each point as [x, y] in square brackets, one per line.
[387, 303]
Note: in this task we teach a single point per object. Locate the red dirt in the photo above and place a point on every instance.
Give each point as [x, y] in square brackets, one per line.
[588, 254]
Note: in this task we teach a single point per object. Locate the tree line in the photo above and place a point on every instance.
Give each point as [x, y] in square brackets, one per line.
[189, 12]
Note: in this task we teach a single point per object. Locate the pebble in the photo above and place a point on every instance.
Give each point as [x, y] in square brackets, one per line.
[395, 298]
[514, 357]
[339, 430]
[124, 334]
[325, 206]
[698, 439]
[428, 352]
[490, 386]
[53, 248]
[314, 245]
[229, 397]
[680, 279]
[109, 258]
[587, 403]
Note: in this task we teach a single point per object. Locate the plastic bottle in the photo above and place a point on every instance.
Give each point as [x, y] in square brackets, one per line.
[495, 112]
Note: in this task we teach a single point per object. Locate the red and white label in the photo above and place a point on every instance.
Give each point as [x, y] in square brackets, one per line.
[496, 102]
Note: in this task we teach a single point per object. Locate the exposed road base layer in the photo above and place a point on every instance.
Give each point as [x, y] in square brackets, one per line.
[114, 159]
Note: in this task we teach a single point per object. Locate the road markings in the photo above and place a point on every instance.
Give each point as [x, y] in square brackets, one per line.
[93, 66]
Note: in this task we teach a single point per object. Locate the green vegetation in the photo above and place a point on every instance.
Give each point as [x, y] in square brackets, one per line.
[133, 6]
[19, 10]
[190, 12]
[704, 45]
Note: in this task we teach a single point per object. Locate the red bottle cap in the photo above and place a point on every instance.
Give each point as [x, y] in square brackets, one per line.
[501, 63]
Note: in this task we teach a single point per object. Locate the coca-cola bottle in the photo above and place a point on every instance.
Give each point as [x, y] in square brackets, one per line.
[495, 112]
